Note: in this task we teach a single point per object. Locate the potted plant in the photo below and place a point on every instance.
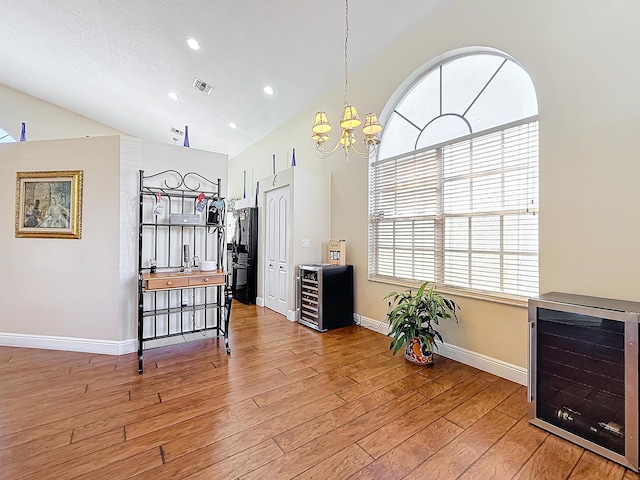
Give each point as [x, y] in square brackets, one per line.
[412, 321]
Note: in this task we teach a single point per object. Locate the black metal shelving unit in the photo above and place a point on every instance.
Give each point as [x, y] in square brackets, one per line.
[180, 213]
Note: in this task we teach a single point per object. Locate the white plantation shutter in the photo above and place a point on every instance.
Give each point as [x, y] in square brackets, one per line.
[462, 215]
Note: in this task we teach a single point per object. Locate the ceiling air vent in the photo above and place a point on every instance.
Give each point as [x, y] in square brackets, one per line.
[202, 86]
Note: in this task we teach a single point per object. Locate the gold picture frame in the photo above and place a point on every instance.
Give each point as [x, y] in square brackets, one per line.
[49, 204]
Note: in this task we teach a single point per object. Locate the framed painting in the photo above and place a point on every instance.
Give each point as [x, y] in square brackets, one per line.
[49, 204]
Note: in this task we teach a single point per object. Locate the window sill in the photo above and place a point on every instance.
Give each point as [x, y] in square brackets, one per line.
[513, 300]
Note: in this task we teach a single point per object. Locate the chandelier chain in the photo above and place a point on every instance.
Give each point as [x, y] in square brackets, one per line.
[346, 44]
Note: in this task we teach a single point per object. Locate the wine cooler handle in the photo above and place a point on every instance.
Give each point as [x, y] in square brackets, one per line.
[530, 393]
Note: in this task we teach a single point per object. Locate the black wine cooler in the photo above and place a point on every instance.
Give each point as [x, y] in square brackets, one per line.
[325, 296]
[583, 372]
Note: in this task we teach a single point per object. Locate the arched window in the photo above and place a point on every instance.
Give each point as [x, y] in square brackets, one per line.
[5, 137]
[453, 192]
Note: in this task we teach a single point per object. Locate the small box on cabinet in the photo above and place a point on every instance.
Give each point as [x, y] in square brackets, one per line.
[337, 252]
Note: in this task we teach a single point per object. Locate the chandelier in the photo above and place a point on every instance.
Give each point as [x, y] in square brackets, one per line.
[349, 120]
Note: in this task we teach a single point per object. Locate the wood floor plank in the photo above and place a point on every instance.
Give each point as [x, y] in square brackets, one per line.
[55, 390]
[325, 362]
[204, 399]
[311, 430]
[388, 366]
[408, 455]
[85, 411]
[349, 364]
[289, 402]
[445, 380]
[37, 446]
[295, 437]
[482, 402]
[202, 432]
[122, 470]
[515, 405]
[100, 457]
[282, 393]
[240, 463]
[308, 455]
[211, 408]
[455, 457]
[44, 459]
[46, 410]
[507, 455]
[192, 453]
[489, 377]
[375, 383]
[338, 466]
[554, 460]
[594, 467]
[397, 431]
[217, 380]
[251, 435]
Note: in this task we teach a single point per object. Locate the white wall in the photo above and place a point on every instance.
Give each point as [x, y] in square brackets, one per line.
[63, 287]
[580, 55]
[44, 120]
[81, 294]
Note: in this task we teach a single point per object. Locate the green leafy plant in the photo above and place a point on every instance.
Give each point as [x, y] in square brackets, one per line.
[414, 314]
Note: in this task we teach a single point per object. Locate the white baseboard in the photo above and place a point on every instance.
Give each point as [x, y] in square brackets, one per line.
[483, 362]
[292, 315]
[70, 344]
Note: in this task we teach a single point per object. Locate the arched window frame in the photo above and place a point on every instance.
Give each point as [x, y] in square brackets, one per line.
[445, 243]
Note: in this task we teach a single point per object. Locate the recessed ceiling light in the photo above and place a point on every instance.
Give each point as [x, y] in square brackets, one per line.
[173, 95]
[193, 43]
[233, 125]
[268, 90]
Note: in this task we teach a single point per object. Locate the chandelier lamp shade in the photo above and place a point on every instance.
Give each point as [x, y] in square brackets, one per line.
[349, 121]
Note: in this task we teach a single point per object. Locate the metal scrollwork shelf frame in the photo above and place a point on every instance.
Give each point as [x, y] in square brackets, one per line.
[190, 310]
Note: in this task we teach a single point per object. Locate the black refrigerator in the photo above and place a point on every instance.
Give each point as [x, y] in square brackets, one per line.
[244, 256]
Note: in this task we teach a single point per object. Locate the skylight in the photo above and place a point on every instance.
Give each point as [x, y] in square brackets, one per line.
[5, 137]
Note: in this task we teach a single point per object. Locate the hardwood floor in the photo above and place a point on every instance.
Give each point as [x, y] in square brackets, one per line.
[287, 403]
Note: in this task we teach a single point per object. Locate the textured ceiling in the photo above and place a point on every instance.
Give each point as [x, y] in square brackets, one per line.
[115, 61]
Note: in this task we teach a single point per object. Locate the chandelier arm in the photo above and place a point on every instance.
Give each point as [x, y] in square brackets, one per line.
[362, 154]
[323, 154]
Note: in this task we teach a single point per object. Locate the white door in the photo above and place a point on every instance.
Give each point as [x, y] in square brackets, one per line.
[277, 268]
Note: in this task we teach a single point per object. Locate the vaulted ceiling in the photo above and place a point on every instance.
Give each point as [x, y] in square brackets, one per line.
[116, 61]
